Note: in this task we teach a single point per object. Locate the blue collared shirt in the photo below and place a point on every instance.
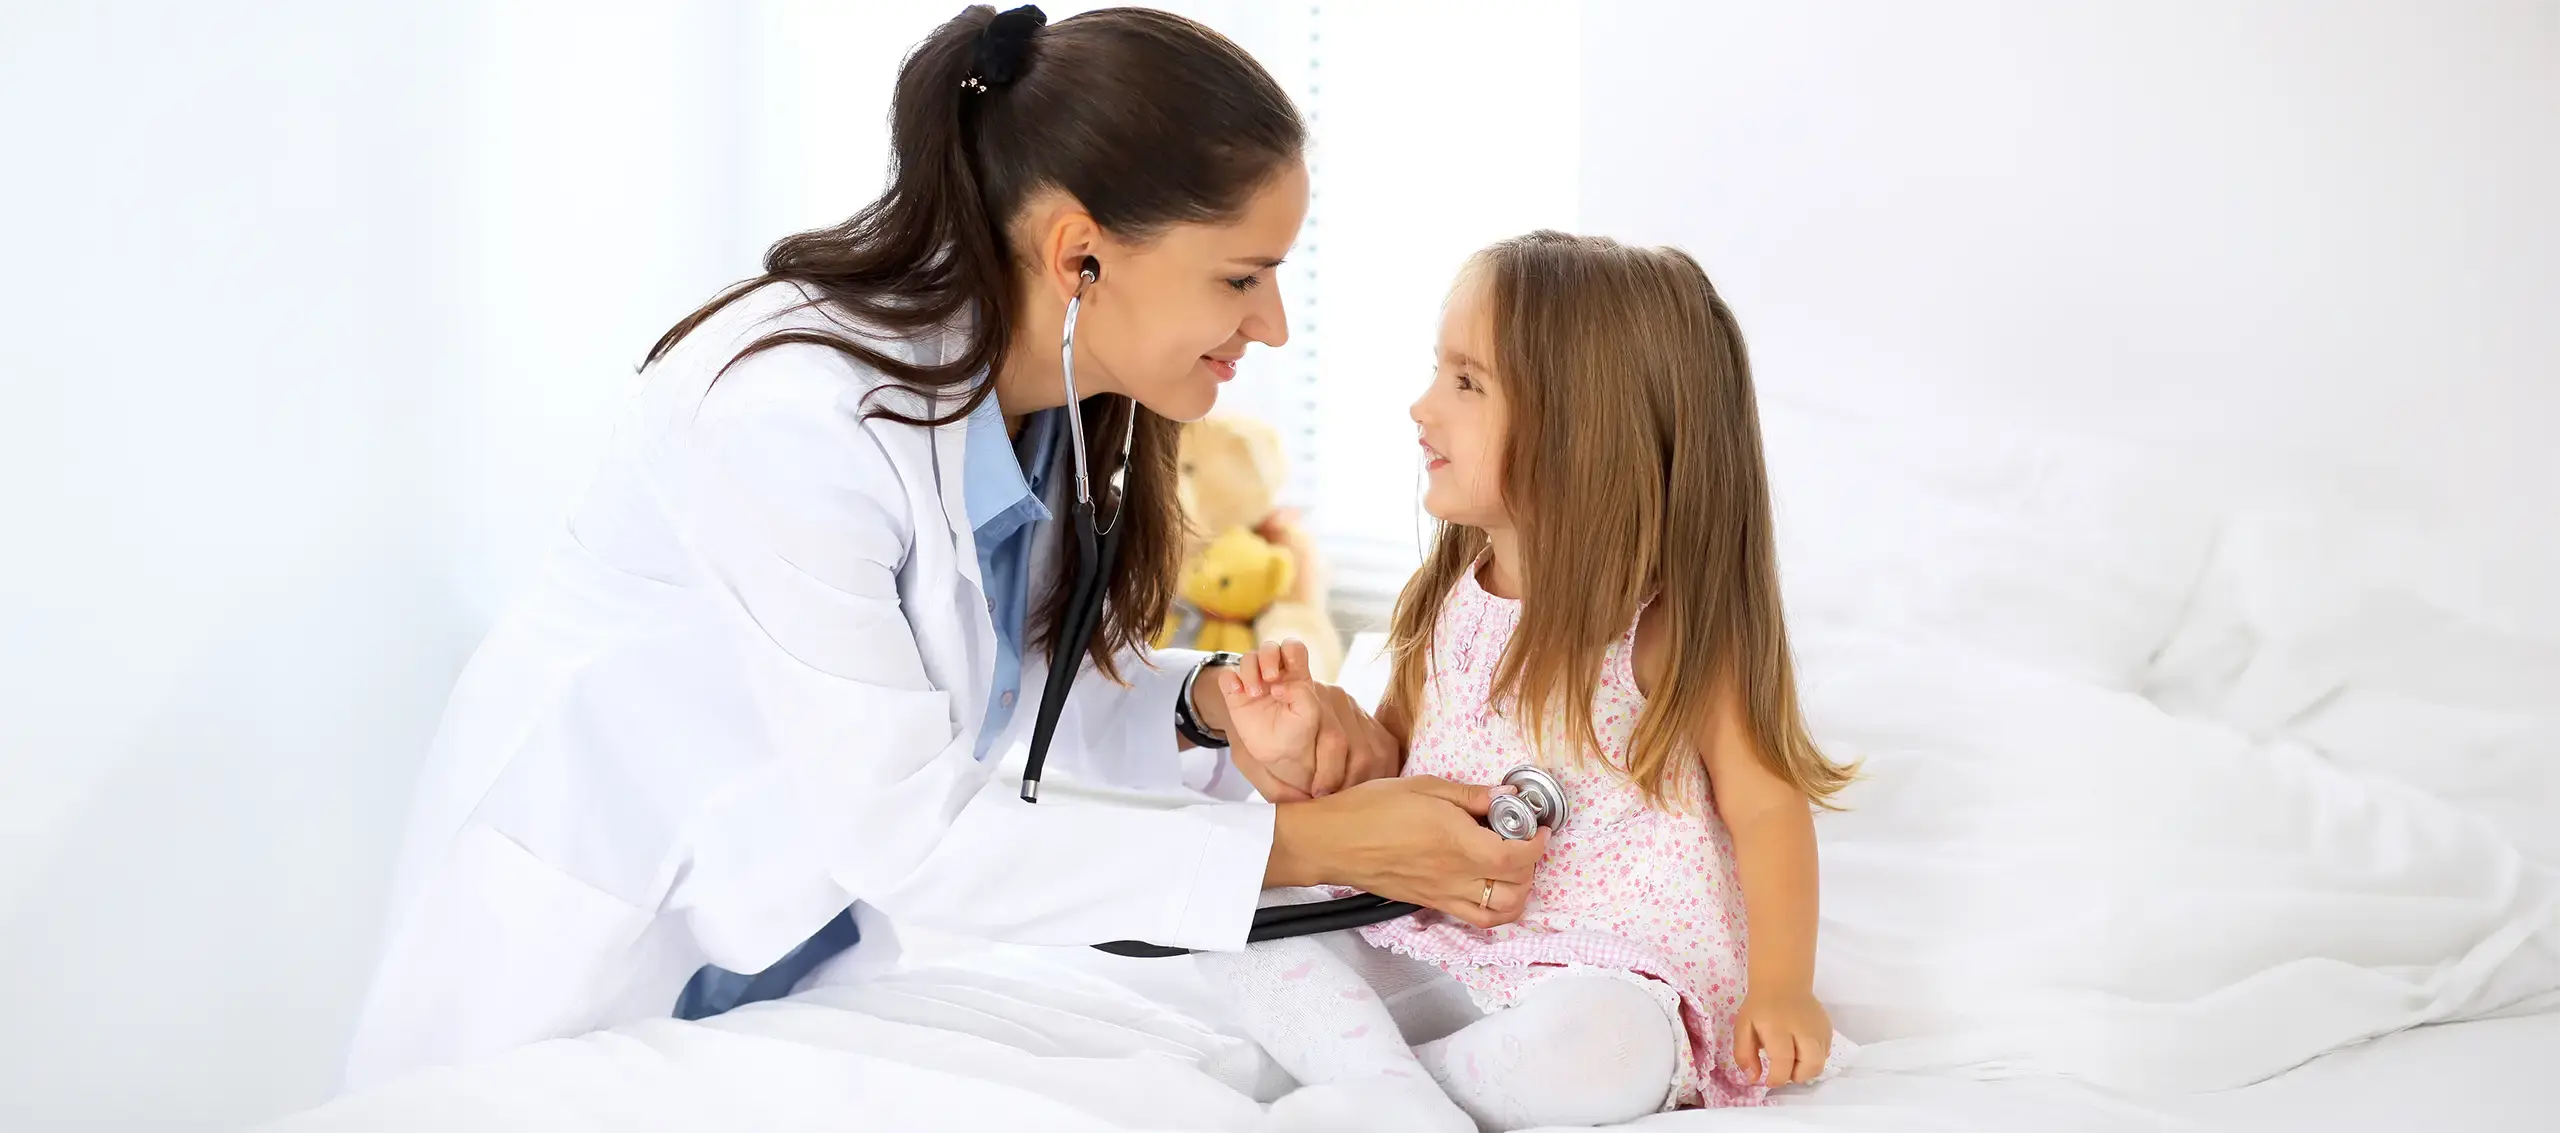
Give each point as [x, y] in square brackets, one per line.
[1003, 484]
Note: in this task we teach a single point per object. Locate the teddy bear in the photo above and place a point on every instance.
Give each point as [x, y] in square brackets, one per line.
[1250, 574]
[1227, 585]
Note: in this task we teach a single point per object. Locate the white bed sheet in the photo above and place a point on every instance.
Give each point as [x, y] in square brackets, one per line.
[2489, 1074]
[1047, 1039]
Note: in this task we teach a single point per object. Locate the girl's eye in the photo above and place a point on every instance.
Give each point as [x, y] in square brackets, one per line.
[1465, 382]
[1245, 282]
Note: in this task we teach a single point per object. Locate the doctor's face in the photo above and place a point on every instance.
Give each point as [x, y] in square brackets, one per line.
[1181, 307]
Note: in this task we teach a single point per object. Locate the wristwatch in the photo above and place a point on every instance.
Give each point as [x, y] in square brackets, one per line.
[1186, 715]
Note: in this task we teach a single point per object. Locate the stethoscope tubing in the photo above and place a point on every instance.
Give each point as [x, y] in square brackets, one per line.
[1098, 552]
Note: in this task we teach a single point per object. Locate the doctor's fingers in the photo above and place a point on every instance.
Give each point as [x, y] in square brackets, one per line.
[1472, 798]
[1268, 783]
[1333, 753]
[1499, 859]
[1271, 787]
[1510, 899]
[1373, 749]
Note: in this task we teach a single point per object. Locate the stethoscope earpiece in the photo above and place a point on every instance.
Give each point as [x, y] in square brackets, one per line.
[1092, 270]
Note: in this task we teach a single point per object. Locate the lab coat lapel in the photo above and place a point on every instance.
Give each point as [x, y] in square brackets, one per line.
[950, 462]
[950, 459]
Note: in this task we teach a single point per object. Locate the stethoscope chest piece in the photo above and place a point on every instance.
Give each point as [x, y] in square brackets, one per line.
[1541, 802]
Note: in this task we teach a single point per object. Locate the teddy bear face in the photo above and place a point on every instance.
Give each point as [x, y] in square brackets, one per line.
[1236, 576]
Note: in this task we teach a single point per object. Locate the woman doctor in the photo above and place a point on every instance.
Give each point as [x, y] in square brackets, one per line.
[747, 710]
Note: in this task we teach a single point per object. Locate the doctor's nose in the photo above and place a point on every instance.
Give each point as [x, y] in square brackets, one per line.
[1268, 322]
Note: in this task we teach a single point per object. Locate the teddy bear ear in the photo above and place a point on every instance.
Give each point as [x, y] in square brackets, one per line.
[1261, 445]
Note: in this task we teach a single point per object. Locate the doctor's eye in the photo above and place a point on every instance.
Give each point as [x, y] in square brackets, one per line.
[1245, 282]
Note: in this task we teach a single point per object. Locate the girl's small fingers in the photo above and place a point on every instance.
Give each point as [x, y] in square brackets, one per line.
[1782, 1062]
[1293, 658]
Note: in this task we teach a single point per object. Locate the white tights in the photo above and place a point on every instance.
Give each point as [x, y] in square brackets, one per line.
[1338, 1015]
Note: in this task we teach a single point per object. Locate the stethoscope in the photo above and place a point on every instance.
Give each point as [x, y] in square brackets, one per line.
[1539, 801]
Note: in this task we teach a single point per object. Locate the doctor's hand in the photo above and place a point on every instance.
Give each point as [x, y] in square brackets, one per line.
[1415, 838]
[1268, 697]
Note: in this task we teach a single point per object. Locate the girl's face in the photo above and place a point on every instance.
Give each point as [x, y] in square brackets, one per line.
[1171, 317]
[1464, 419]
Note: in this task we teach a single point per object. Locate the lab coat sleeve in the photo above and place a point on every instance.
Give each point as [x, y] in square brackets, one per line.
[1123, 737]
[1118, 735]
[870, 790]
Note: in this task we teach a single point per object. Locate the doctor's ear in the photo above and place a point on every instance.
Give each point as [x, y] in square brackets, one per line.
[1068, 250]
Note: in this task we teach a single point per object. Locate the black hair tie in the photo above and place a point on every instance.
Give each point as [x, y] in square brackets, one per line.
[1004, 48]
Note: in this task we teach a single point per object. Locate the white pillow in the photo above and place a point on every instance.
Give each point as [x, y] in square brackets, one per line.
[2069, 553]
[2042, 875]
[2363, 631]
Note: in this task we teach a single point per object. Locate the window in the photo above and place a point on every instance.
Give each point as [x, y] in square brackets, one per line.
[1439, 128]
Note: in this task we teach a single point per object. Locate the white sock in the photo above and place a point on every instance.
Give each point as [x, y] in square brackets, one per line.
[1318, 1020]
[1423, 1000]
[1330, 1031]
[1575, 1050]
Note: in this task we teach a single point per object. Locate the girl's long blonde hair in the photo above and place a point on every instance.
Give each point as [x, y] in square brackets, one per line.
[1632, 468]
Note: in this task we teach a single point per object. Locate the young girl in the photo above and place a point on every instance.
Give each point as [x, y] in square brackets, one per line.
[1601, 600]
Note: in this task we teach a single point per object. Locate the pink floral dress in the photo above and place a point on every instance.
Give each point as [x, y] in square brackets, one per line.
[1626, 889]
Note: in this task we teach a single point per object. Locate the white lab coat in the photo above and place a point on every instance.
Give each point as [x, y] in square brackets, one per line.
[745, 693]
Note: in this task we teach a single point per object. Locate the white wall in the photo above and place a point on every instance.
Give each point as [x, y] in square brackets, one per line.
[313, 314]
[2321, 230]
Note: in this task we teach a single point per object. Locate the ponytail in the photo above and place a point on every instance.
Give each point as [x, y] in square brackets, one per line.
[1145, 118]
[923, 255]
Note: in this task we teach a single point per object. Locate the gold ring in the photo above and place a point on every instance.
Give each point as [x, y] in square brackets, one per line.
[1487, 902]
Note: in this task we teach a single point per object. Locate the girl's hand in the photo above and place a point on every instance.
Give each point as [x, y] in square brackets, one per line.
[1276, 714]
[1787, 1026]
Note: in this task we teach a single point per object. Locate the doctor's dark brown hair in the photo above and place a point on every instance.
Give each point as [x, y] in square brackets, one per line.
[1148, 120]
[1632, 468]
